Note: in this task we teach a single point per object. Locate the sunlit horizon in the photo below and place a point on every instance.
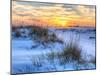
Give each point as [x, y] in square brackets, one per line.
[52, 14]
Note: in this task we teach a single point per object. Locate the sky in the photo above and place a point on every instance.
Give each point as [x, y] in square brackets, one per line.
[52, 14]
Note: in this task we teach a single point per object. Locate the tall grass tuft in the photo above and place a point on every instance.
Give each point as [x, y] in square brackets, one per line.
[39, 31]
[71, 51]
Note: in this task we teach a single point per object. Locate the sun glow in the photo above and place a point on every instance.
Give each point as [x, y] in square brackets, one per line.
[61, 21]
[48, 15]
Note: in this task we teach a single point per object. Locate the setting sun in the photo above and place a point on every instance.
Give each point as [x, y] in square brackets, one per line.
[61, 21]
[52, 15]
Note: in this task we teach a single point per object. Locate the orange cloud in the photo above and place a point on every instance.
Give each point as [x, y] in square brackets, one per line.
[56, 15]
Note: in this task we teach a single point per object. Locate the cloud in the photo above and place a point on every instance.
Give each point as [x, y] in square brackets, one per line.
[47, 12]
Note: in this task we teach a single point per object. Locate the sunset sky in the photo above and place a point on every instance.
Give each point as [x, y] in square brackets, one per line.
[52, 14]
